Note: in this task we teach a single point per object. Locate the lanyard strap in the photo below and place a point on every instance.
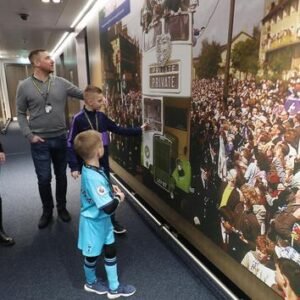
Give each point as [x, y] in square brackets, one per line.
[40, 91]
[96, 121]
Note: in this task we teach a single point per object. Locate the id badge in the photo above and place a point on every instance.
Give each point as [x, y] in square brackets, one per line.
[48, 108]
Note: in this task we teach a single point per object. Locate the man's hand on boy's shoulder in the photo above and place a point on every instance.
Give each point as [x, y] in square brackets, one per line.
[75, 174]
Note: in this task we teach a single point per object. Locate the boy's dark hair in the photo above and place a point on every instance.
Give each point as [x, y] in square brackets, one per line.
[87, 142]
[291, 270]
[34, 53]
[92, 89]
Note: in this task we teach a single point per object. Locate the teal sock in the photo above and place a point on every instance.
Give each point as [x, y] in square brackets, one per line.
[111, 271]
[90, 271]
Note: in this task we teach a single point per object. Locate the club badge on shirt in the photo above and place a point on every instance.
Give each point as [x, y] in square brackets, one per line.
[101, 190]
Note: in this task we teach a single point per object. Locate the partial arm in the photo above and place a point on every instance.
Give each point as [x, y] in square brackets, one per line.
[127, 131]
[73, 90]
[22, 112]
[71, 155]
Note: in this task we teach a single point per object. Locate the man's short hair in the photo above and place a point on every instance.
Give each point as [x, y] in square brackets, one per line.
[34, 53]
[87, 142]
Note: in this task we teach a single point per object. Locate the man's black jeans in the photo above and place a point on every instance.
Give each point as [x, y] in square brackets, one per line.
[52, 150]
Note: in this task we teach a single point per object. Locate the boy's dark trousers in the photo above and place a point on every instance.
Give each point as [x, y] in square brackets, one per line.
[4, 239]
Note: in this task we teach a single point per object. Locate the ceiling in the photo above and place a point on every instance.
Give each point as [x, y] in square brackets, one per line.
[43, 29]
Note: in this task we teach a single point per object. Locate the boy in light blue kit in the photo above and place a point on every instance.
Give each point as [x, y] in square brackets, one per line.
[99, 199]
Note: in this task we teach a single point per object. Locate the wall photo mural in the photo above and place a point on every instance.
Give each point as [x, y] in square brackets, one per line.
[225, 154]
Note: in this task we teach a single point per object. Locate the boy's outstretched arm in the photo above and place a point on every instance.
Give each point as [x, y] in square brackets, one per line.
[126, 131]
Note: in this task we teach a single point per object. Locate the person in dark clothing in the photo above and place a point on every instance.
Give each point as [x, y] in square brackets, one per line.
[283, 223]
[5, 240]
[91, 118]
[202, 205]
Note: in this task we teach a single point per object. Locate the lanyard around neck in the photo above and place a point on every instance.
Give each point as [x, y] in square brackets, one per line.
[45, 96]
[90, 123]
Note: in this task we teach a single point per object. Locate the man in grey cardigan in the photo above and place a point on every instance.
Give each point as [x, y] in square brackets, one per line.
[43, 96]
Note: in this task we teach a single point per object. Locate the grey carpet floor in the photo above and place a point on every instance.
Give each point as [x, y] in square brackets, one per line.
[46, 264]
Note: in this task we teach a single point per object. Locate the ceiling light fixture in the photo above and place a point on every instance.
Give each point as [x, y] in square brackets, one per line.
[66, 39]
[60, 42]
[81, 21]
[48, 1]
[82, 13]
[97, 6]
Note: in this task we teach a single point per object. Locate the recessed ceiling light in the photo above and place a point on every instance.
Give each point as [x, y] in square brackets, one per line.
[48, 1]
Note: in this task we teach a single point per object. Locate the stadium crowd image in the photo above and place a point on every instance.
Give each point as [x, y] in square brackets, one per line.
[160, 128]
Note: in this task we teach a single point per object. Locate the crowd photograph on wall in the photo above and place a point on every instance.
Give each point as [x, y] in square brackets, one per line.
[243, 149]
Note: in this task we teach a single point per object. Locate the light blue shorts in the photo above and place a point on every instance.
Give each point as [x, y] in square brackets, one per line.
[94, 234]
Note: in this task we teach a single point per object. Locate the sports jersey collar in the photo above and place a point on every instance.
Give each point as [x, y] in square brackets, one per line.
[93, 168]
[98, 170]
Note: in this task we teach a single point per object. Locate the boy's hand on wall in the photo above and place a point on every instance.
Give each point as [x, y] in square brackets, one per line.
[145, 126]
